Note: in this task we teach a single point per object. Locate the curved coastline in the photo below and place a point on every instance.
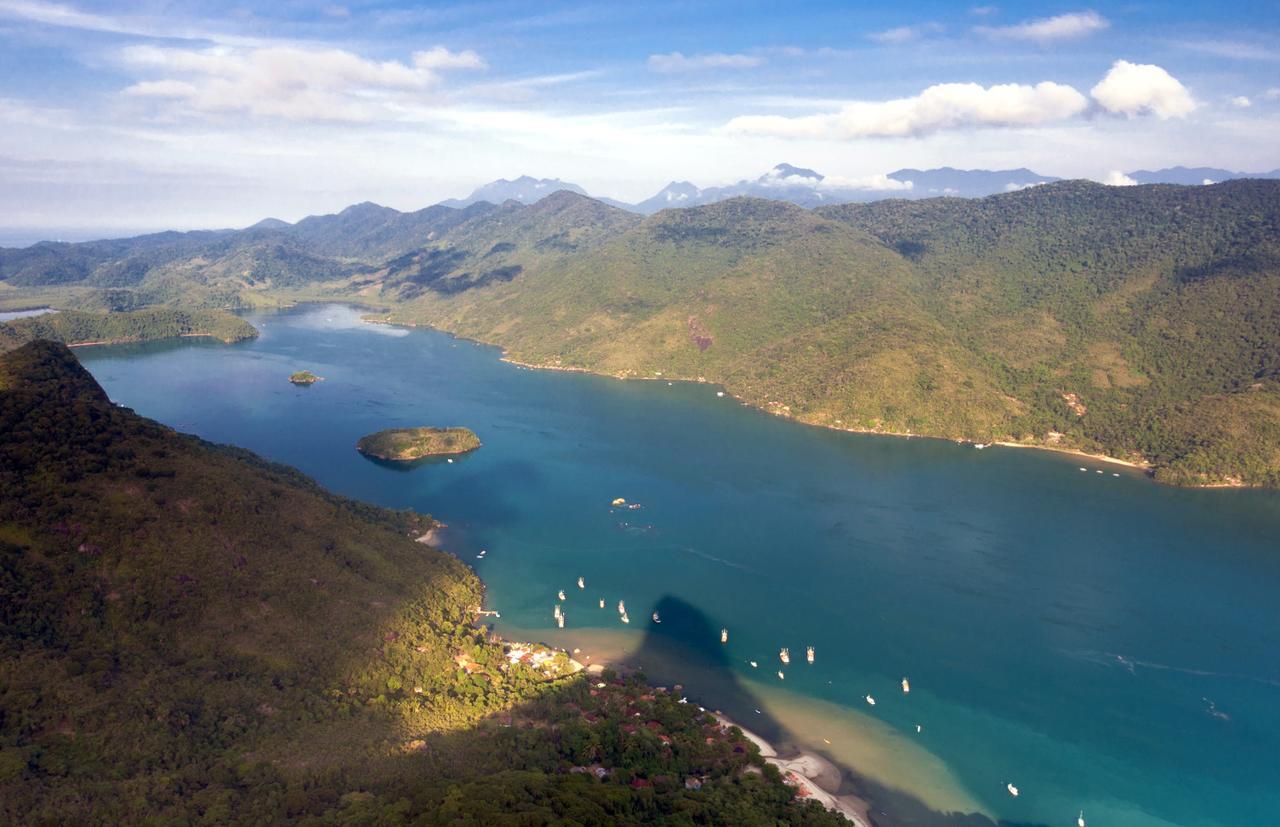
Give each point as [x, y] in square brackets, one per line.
[506, 356]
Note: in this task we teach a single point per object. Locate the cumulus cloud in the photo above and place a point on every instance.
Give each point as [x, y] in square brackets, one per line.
[287, 81]
[1139, 88]
[939, 107]
[677, 62]
[1241, 102]
[1116, 178]
[879, 182]
[1062, 27]
[905, 34]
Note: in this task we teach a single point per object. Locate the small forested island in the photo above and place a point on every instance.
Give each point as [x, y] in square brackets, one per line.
[304, 377]
[408, 444]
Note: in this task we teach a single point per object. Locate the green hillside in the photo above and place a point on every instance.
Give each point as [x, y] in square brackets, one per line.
[192, 635]
[78, 327]
[1140, 322]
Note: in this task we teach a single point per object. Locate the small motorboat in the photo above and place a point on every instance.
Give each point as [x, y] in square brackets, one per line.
[781, 676]
[560, 594]
[1013, 791]
[724, 635]
[871, 700]
[656, 619]
[582, 584]
[906, 686]
[1080, 819]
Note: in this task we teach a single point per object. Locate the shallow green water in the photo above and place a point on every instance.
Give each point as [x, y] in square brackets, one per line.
[1105, 643]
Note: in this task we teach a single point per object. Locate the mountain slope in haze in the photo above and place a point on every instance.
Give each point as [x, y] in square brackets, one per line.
[189, 634]
[967, 183]
[1194, 176]
[525, 189]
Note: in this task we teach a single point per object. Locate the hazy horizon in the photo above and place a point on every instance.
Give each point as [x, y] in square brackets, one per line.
[136, 115]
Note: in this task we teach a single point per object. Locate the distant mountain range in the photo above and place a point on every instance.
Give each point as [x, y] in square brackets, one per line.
[1195, 175]
[524, 189]
[809, 188]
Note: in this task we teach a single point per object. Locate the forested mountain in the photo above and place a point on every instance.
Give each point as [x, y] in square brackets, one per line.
[1143, 322]
[193, 635]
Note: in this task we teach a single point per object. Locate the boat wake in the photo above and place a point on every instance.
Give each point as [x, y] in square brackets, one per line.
[1133, 664]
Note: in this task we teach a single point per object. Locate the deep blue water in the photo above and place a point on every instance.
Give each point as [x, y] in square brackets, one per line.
[1106, 643]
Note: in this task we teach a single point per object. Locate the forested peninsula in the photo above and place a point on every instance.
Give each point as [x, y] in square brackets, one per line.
[78, 327]
[192, 634]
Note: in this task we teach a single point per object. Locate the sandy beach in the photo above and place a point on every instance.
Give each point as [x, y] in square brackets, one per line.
[812, 776]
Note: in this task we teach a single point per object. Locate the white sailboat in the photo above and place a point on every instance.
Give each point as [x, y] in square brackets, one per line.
[560, 594]
[808, 654]
[724, 635]
[906, 686]
[602, 602]
[784, 655]
[582, 584]
[622, 608]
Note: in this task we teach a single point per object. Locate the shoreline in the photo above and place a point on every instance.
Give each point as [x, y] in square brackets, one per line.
[505, 356]
[160, 339]
[812, 775]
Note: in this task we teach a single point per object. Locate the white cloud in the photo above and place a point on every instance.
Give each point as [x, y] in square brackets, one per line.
[289, 82]
[880, 183]
[905, 34]
[677, 62]
[1231, 49]
[67, 17]
[1271, 94]
[940, 107]
[1061, 27]
[1118, 179]
[983, 11]
[1241, 102]
[1138, 88]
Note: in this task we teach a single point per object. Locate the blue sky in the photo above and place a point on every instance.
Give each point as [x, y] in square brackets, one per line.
[186, 114]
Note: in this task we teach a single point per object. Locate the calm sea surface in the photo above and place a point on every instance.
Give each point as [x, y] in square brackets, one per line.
[1104, 643]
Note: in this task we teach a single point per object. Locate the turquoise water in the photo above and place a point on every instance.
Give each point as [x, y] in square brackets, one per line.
[1105, 643]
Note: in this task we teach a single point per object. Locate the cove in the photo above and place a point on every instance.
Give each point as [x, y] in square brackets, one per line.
[1103, 642]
